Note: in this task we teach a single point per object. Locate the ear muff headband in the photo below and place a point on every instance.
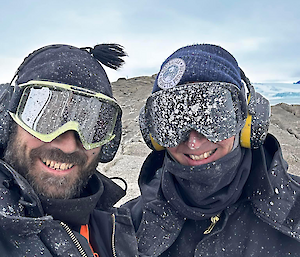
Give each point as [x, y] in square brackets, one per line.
[255, 130]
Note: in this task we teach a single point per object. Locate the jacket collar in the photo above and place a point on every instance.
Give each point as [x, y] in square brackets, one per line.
[263, 188]
[75, 211]
[258, 184]
[101, 193]
[274, 194]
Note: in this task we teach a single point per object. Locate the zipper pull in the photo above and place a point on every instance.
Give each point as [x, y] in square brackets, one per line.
[214, 221]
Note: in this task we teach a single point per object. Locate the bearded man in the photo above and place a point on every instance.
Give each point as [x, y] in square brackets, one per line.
[59, 120]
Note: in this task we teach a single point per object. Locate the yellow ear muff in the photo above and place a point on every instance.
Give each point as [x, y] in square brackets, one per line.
[246, 133]
[156, 146]
[256, 127]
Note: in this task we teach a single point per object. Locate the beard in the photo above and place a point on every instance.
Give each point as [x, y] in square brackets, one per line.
[44, 183]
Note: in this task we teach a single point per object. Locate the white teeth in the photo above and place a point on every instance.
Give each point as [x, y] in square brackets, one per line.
[52, 163]
[63, 166]
[201, 156]
[57, 165]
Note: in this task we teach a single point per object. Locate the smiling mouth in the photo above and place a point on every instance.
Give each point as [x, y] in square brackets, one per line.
[57, 165]
[201, 156]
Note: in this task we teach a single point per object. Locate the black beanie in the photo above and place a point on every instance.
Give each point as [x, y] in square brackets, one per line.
[74, 66]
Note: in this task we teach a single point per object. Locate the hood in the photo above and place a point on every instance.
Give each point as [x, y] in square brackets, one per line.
[275, 194]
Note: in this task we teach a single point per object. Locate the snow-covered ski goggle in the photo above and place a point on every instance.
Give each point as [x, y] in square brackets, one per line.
[216, 110]
[47, 110]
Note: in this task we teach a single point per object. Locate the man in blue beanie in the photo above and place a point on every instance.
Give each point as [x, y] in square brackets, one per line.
[58, 121]
[216, 183]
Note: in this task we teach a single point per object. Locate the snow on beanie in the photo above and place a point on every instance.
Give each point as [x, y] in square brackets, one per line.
[73, 66]
[198, 63]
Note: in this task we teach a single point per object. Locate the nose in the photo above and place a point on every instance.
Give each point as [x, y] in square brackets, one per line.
[195, 140]
[68, 142]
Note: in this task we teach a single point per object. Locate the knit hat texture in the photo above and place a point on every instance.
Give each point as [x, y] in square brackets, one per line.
[69, 65]
[198, 63]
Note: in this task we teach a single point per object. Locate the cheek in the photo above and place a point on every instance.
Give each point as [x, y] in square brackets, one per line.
[25, 138]
[93, 153]
[227, 145]
[172, 150]
[33, 143]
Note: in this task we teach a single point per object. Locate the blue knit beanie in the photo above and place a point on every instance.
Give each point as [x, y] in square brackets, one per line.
[198, 63]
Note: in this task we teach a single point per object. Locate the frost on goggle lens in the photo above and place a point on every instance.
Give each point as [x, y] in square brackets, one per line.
[45, 110]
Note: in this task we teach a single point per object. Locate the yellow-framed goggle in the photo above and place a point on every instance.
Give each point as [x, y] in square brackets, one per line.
[48, 109]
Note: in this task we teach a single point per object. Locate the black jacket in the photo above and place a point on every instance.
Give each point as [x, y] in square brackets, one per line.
[265, 221]
[27, 230]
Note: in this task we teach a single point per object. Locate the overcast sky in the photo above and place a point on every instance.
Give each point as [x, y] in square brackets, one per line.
[263, 35]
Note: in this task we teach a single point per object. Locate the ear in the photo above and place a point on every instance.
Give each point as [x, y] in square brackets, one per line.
[109, 150]
[149, 140]
[256, 128]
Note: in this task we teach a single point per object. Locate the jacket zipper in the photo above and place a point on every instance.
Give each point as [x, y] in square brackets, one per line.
[113, 235]
[74, 239]
[214, 221]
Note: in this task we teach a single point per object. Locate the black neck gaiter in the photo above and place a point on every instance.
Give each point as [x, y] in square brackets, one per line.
[200, 192]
